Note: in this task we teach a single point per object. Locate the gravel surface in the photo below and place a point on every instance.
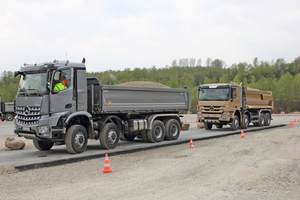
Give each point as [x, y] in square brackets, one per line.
[263, 165]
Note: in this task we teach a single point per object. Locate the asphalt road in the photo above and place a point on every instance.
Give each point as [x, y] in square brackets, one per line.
[32, 158]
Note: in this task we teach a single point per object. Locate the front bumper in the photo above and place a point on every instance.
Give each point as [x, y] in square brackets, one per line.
[223, 118]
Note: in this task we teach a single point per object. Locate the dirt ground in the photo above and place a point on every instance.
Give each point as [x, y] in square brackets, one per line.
[263, 165]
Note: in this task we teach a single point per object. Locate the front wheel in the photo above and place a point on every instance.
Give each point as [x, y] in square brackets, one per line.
[207, 126]
[42, 146]
[109, 136]
[76, 139]
[172, 129]
[235, 123]
[245, 122]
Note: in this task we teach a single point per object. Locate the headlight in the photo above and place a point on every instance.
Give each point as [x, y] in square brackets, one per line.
[43, 129]
[199, 115]
[224, 116]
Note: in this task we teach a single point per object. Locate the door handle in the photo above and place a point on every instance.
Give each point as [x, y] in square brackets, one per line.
[69, 105]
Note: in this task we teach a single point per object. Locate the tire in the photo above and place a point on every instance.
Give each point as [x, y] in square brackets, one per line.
[128, 137]
[109, 136]
[144, 136]
[219, 125]
[235, 123]
[207, 126]
[172, 128]
[245, 122]
[267, 119]
[9, 117]
[42, 146]
[157, 133]
[261, 120]
[76, 139]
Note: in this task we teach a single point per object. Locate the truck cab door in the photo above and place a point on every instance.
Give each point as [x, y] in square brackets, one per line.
[235, 98]
[61, 97]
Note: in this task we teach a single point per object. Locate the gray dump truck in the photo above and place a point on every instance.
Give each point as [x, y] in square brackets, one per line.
[7, 111]
[82, 109]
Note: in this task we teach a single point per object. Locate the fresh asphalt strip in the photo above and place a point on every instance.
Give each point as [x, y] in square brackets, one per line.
[32, 159]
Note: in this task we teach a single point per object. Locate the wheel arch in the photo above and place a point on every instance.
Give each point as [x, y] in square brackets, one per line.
[150, 118]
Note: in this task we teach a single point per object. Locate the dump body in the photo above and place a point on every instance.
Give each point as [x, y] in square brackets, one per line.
[237, 105]
[126, 99]
[257, 99]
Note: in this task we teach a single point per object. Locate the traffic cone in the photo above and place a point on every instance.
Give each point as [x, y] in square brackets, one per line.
[185, 121]
[274, 115]
[242, 134]
[0, 121]
[291, 123]
[294, 119]
[191, 144]
[196, 120]
[106, 165]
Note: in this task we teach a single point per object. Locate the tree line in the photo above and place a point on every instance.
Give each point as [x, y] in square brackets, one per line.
[280, 77]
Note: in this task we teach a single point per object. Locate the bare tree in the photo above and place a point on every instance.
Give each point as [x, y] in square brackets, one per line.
[192, 62]
[208, 62]
[199, 62]
[174, 63]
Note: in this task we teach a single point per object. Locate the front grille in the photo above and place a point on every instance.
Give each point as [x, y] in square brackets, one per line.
[28, 115]
[212, 109]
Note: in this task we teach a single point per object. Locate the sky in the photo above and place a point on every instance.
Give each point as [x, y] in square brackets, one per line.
[122, 34]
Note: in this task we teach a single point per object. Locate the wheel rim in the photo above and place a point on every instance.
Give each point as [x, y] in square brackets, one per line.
[9, 118]
[79, 140]
[236, 123]
[262, 121]
[112, 136]
[158, 132]
[246, 122]
[174, 130]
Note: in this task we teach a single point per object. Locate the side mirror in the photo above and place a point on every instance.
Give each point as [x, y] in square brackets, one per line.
[233, 93]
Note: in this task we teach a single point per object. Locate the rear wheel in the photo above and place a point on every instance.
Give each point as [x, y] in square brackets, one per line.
[157, 133]
[235, 123]
[207, 126]
[42, 146]
[261, 121]
[245, 122]
[9, 117]
[172, 129]
[128, 137]
[219, 125]
[267, 119]
[109, 136]
[76, 139]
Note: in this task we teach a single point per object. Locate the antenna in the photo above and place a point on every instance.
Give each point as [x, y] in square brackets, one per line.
[36, 62]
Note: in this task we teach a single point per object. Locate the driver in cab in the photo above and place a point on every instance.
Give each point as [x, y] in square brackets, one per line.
[61, 84]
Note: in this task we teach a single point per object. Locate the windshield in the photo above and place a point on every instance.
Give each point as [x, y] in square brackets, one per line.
[33, 82]
[213, 94]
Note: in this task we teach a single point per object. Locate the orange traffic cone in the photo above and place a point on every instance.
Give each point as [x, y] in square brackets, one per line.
[191, 144]
[196, 120]
[294, 119]
[106, 165]
[0, 121]
[185, 121]
[242, 134]
[291, 123]
[274, 115]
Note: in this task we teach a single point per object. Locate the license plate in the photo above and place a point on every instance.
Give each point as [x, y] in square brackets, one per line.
[25, 129]
[211, 115]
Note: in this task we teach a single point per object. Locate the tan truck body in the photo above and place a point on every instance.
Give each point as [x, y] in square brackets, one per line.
[237, 105]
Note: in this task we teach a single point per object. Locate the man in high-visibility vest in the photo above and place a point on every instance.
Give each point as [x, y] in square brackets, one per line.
[59, 86]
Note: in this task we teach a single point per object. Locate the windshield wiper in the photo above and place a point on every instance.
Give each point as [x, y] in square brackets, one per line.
[37, 92]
